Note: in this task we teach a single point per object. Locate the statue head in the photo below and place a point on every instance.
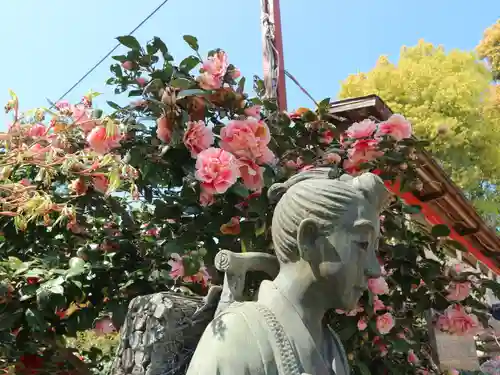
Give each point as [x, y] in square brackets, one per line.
[329, 228]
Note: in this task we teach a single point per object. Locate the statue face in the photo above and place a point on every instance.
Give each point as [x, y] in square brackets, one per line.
[348, 257]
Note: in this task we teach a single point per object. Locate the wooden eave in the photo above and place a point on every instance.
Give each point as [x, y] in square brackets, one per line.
[439, 192]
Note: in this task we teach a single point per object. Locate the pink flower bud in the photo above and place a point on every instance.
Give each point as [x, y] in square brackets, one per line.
[128, 65]
[141, 81]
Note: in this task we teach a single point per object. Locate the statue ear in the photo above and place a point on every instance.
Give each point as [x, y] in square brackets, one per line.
[307, 234]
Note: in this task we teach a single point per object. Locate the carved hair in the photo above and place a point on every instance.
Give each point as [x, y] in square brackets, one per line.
[318, 195]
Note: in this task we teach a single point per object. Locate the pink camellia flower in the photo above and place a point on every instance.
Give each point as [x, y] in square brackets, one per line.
[235, 73]
[362, 324]
[396, 127]
[206, 199]
[141, 81]
[213, 71]
[198, 137]
[351, 168]
[128, 65]
[217, 170]
[39, 150]
[378, 286]
[378, 305]
[253, 111]
[37, 130]
[164, 129]
[362, 129]
[82, 116]
[333, 158]
[152, 232]
[385, 323]
[458, 291]
[455, 320]
[202, 276]
[412, 358]
[62, 105]
[327, 137]
[209, 82]
[247, 139]
[364, 150]
[100, 183]
[102, 142]
[176, 264]
[104, 326]
[217, 64]
[252, 174]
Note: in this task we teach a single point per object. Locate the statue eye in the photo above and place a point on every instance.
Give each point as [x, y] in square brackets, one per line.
[364, 245]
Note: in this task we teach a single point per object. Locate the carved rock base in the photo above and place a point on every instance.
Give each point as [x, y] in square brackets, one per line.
[160, 334]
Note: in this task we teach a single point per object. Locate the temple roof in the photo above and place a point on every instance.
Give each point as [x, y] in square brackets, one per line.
[440, 195]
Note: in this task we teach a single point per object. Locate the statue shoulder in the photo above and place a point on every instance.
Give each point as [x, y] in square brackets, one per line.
[231, 341]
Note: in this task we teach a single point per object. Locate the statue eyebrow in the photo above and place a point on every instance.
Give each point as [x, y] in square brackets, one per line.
[363, 223]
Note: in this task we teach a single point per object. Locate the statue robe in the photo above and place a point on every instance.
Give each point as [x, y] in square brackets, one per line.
[247, 339]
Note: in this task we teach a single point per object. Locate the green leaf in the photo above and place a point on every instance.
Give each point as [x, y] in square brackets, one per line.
[192, 42]
[241, 86]
[193, 92]
[400, 346]
[324, 104]
[129, 41]
[57, 289]
[363, 369]
[240, 190]
[135, 93]
[414, 209]
[162, 47]
[121, 58]
[243, 246]
[164, 210]
[493, 286]
[28, 291]
[440, 230]
[35, 320]
[181, 83]
[455, 245]
[347, 332]
[189, 63]
[113, 105]
[7, 320]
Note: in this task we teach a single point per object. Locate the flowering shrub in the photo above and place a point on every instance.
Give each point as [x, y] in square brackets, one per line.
[99, 209]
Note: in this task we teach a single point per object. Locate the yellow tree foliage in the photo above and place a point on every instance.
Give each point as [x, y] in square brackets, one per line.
[442, 92]
[489, 48]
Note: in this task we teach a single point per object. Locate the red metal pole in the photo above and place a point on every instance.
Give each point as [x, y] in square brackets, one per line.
[273, 59]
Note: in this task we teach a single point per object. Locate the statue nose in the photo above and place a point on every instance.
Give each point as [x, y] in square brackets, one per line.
[372, 268]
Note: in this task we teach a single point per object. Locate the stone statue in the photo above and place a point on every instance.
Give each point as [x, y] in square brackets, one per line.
[325, 234]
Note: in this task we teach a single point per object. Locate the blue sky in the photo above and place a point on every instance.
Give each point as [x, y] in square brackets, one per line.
[48, 45]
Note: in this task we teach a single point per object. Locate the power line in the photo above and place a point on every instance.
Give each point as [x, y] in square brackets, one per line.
[111, 51]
